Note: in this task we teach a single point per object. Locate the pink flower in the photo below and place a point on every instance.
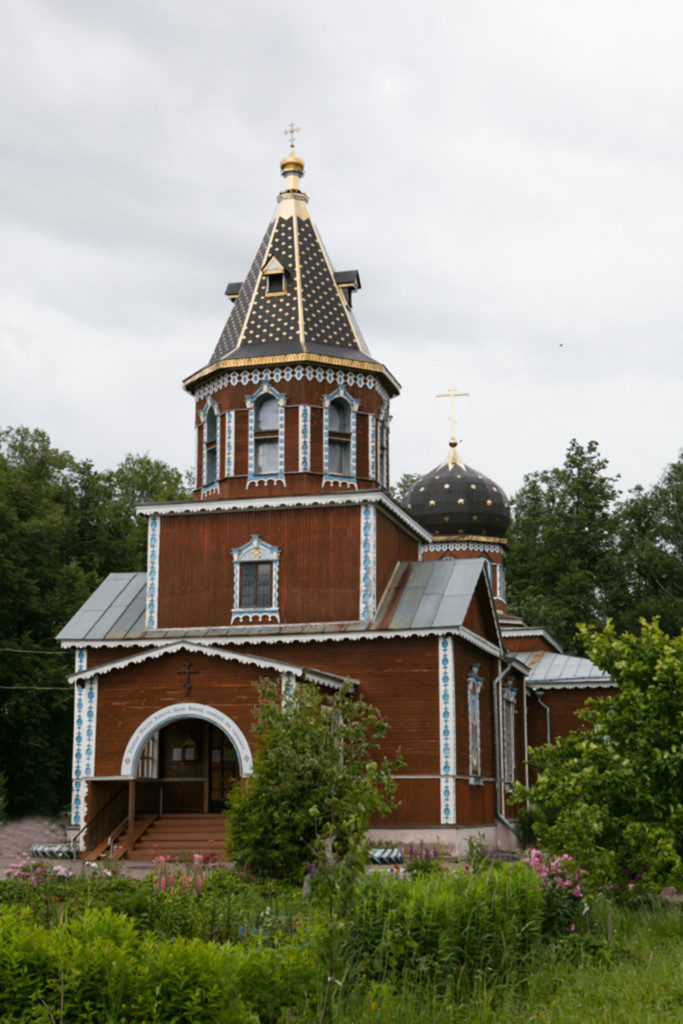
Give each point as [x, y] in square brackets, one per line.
[573, 928]
[162, 882]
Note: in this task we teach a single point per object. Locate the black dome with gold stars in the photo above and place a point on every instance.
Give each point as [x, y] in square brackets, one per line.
[455, 499]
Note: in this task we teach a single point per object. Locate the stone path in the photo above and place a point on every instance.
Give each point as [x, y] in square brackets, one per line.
[16, 837]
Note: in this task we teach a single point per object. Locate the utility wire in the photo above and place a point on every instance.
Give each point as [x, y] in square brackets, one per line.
[25, 650]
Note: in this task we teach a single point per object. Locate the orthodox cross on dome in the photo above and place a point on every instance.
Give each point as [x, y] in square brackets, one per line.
[291, 132]
[453, 393]
[187, 671]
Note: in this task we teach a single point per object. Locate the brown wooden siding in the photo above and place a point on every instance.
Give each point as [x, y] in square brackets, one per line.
[394, 544]
[319, 564]
[419, 804]
[528, 643]
[479, 617]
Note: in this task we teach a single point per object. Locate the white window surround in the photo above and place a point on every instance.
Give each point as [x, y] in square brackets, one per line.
[210, 487]
[256, 550]
[279, 476]
[474, 685]
[509, 700]
[345, 480]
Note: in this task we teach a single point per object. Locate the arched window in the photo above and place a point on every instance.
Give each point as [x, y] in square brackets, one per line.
[266, 435]
[340, 438]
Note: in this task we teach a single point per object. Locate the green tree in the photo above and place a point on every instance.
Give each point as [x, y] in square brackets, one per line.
[612, 796]
[399, 490]
[562, 562]
[63, 527]
[315, 780]
[650, 552]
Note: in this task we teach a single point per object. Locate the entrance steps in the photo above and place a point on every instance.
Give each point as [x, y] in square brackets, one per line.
[178, 835]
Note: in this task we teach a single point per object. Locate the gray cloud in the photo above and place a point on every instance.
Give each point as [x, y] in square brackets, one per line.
[505, 176]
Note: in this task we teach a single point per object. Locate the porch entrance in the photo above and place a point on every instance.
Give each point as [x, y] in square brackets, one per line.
[194, 764]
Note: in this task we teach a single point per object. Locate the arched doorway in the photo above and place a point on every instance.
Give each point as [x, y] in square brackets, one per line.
[192, 753]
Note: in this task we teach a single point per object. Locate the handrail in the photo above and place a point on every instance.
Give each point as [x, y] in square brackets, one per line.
[89, 823]
[119, 827]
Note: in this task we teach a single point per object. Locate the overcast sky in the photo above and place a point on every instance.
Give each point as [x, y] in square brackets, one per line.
[506, 176]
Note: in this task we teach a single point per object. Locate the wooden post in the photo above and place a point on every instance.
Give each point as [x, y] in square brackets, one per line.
[131, 814]
[207, 766]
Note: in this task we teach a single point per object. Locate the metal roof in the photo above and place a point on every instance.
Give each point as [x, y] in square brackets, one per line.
[115, 611]
[429, 594]
[549, 669]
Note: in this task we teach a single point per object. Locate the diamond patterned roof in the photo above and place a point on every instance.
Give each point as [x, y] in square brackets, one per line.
[311, 316]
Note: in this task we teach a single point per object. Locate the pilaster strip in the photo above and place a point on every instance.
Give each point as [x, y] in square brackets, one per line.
[447, 729]
[368, 561]
[153, 530]
[304, 438]
[230, 443]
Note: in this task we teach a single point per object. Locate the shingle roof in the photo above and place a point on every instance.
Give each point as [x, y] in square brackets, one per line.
[549, 669]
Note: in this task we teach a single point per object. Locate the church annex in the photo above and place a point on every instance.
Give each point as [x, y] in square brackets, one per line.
[293, 562]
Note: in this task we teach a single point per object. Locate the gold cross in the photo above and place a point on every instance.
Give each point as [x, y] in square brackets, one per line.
[291, 131]
[453, 393]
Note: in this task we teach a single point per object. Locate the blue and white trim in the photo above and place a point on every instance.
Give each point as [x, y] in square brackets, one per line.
[459, 545]
[152, 597]
[304, 438]
[230, 443]
[474, 685]
[372, 447]
[383, 446]
[253, 477]
[255, 550]
[509, 701]
[500, 581]
[447, 729]
[368, 561]
[353, 403]
[288, 688]
[210, 487]
[277, 375]
[85, 730]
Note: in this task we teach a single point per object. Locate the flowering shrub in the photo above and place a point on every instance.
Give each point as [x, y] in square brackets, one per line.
[169, 877]
[562, 882]
[34, 874]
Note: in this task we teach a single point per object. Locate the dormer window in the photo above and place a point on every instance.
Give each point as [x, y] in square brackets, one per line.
[276, 276]
[275, 284]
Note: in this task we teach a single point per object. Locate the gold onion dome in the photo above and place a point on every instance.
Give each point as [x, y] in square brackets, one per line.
[292, 164]
[455, 499]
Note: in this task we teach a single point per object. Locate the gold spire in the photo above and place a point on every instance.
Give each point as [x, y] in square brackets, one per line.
[453, 393]
[292, 166]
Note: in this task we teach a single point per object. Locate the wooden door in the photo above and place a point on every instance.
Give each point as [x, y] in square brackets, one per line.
[223, 769]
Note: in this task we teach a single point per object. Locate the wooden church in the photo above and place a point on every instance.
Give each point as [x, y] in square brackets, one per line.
[293, 562]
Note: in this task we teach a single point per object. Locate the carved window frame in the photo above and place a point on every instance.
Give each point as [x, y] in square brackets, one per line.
[509, 709]
[262, 478]
[475, 683]
[255, 550]
[347, 479]
[210, 487]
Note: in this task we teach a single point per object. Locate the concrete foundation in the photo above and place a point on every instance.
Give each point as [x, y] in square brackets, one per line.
[451, 840]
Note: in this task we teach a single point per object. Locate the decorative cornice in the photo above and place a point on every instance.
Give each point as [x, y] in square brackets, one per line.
[297, 357]
[572, 684]
[443, 538]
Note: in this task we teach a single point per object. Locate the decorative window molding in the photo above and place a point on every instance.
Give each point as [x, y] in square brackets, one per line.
[254, 477]
[368, 561]
[474, 685]
[447, 729]
[287, 373]
[85, 732]
[230, 443]
[509, 701]
[188, 710]
[372, 447]
[211, 448]
[304, 438]
[347, 479]
[255, 551]
[500, 580]
[152, 596]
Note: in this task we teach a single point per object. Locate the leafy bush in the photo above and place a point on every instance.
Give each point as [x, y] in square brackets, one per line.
[461, 922]
[611, 795]
[314, 778]
[99, 967]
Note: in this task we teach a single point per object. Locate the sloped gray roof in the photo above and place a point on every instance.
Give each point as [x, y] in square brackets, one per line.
[549, 669]
[429, 594]
[115, 611]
